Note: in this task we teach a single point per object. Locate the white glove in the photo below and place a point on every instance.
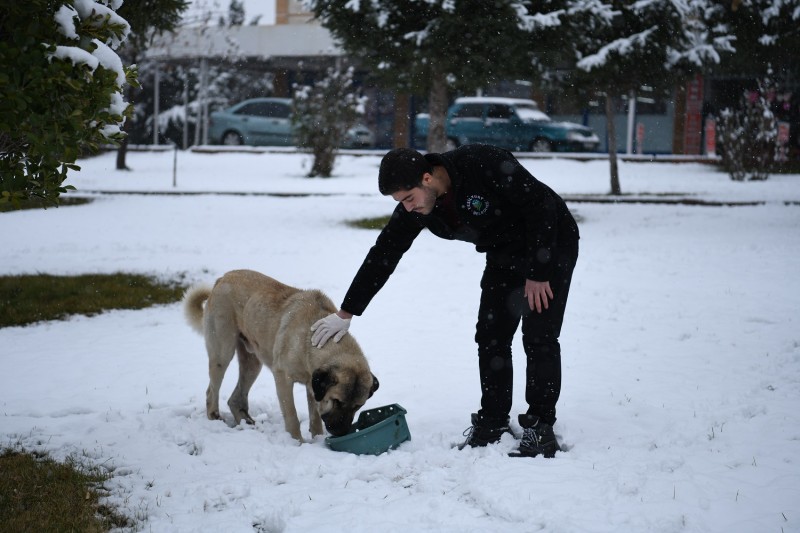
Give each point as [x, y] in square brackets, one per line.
[330, 326]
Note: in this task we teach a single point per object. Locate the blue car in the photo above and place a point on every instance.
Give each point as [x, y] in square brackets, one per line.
[511, 123]
[268, 122]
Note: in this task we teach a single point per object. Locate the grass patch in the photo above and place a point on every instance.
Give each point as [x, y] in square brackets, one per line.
[38, 203]
[369, 223]
[39, 494]
[28, 299]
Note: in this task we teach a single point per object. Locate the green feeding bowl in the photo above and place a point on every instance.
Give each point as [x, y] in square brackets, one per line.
[376, 431]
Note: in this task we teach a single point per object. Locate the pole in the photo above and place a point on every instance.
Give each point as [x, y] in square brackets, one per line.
[631, 121]
[156, 98]
[205, 101]
[175, 166]
[185, 110]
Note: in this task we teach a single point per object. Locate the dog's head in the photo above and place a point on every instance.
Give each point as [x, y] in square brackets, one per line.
[340, 392]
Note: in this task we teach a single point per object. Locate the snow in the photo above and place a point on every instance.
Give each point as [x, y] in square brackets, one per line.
[65, 23]
[77, 56]
[95, 14]
[681, 355]
[88, 9]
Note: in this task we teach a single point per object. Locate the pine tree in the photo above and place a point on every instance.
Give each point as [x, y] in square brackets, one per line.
[431, 46]
[631, 44]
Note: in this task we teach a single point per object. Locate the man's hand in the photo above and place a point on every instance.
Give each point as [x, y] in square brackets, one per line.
[538, 294]
[332, 325]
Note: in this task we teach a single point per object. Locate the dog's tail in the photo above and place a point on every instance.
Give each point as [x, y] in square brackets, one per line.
[193, 306]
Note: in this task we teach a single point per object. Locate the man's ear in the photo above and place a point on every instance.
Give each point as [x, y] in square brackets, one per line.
[321, 381]
[375, 386]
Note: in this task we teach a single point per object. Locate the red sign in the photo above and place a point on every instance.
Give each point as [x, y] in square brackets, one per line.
[639, 138]
[783, 140]
[783, 133]
[694, 116]
[711, 136]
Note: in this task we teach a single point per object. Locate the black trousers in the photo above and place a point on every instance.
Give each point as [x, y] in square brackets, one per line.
[502, 307]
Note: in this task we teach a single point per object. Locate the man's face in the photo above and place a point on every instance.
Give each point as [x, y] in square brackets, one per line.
[420, 199]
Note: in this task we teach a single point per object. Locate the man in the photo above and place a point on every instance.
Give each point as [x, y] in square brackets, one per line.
[481, 194]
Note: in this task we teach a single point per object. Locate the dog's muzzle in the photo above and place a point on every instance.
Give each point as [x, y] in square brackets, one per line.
[337, 425]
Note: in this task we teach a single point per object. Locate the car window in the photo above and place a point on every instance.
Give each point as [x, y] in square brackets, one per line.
[250, 109]
[469, 111]
[500, 111]
[265, 109]
[278, 110]
[531, 112]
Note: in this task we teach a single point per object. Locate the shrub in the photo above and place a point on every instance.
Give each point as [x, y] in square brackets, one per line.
[748, 136]
[60, 91]
[322, 115]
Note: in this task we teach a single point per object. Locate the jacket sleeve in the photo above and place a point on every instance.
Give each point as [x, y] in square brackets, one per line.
[394, 240]
[539, 207]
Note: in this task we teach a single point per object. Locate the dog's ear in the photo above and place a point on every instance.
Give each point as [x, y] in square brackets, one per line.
[375, 386]
[321, 381]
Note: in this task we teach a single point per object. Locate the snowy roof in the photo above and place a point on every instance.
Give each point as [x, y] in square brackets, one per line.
[495, 100]
[285, 40]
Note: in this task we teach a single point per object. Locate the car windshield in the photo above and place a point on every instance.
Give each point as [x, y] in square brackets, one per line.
[529, 112]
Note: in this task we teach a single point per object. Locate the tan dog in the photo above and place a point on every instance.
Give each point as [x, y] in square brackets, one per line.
[267, 322]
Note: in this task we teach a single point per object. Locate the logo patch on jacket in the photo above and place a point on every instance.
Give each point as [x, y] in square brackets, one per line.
[477, 205]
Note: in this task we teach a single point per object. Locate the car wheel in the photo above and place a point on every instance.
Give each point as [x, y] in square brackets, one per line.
[451, 144]
[231, 138]
[541, 145]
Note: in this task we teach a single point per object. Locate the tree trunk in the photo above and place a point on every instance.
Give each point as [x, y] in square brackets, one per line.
[612, 145]
[400, 137]
[122, 151]
[324, 158]
[437, 108]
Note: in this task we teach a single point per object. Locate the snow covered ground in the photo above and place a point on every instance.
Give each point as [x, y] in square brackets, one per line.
[681, 355]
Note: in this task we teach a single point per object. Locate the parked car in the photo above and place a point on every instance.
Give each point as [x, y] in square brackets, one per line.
[268, 122]
[511, 123]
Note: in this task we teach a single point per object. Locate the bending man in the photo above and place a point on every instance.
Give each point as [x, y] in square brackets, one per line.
[481, 194]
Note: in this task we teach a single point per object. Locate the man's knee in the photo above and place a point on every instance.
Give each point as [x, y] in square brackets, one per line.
[542, 346]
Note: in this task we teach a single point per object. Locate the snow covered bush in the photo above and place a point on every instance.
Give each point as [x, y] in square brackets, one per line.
[323, 112]
[60, 90]
[748, 136]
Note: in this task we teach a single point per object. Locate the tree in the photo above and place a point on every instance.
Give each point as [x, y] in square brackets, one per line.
[767, 36]
[431, 46]
[322, 115]
[632, 44]
[767, 39]
[748, 136]
[147, 19]
[60, 92]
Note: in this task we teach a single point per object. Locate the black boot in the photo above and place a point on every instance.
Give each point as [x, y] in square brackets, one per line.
[484, 431]
[537, 438]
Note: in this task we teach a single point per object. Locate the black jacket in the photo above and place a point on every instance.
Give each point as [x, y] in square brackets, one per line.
[499, 206]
